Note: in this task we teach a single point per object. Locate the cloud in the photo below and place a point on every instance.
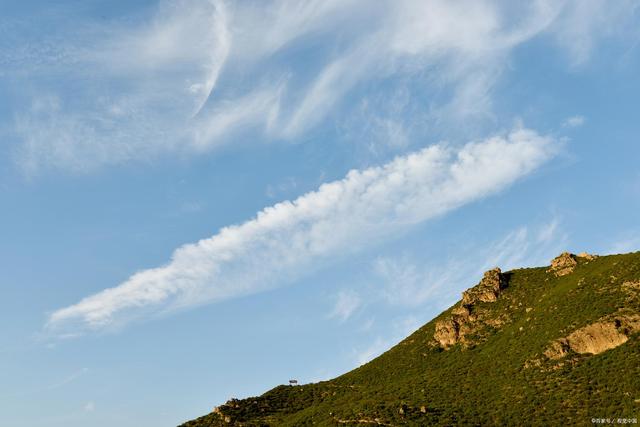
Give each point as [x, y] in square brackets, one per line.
[404, 283]
[192, 74]
[89, 407]
[347, 302]
[121, 92]
[574, 122]
[288, 239]
[581, 24]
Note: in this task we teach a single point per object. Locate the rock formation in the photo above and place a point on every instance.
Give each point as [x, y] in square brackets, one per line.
[597, 337]
[487, 290]
[563, 264]
[464, 320]
[566, 262]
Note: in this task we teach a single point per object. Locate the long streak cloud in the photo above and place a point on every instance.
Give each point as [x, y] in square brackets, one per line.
[282, 242]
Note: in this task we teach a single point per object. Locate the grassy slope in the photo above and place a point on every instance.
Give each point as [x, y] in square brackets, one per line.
[486, 384]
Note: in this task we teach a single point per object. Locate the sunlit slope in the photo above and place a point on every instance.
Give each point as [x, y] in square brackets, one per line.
[548, 346]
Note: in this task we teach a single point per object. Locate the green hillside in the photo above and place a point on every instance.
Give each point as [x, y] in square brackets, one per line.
[546, 346]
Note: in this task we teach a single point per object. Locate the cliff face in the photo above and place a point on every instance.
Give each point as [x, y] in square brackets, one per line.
[550, 345]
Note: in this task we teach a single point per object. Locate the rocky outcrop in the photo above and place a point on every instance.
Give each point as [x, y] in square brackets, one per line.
[586, 256]
[597, 337]
[566, 262]
[487, 290]
[563, 264]
[464, 319]
[447, 332]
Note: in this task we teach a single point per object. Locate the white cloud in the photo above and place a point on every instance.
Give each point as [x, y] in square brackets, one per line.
[89, 407]
[195, 72]
[257, 108]
[581, 24]
[549, 231]
[136, 90]
[286, 240]
[347, 302]
[574, 122]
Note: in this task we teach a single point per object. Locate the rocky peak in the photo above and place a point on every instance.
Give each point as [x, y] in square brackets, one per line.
[487, 290]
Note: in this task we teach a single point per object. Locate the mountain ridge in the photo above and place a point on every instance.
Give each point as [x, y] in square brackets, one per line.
[548, 345]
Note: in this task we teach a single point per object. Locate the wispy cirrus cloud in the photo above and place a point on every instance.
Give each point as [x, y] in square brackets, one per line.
[347, 302]
[288, 239]
[192, 74]
[410, 282]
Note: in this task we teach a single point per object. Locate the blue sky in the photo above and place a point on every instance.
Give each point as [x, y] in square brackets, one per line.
[204, 199]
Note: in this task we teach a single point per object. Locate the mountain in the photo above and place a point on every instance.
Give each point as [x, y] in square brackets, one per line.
[556, 345]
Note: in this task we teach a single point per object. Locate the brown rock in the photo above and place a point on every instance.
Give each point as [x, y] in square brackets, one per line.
[462, 311]
[563, 264]
[588, 257]
[597, 337]
[487, 290]
[447, 332]
[465, 319]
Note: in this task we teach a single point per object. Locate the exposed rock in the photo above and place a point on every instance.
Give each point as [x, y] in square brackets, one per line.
[563, 264]
[464, 320]
[487, 290]
[447, 332]
[588, 257]
[597, 337]
[462, 311]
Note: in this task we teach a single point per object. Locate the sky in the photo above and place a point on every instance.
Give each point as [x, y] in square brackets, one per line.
[203, 199]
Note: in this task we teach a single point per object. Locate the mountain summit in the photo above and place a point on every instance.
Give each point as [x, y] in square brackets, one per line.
[556, 345]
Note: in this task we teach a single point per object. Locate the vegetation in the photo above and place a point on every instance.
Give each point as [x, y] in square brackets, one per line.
[499, 376]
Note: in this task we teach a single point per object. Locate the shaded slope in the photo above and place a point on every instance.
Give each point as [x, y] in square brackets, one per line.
[499, 371]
